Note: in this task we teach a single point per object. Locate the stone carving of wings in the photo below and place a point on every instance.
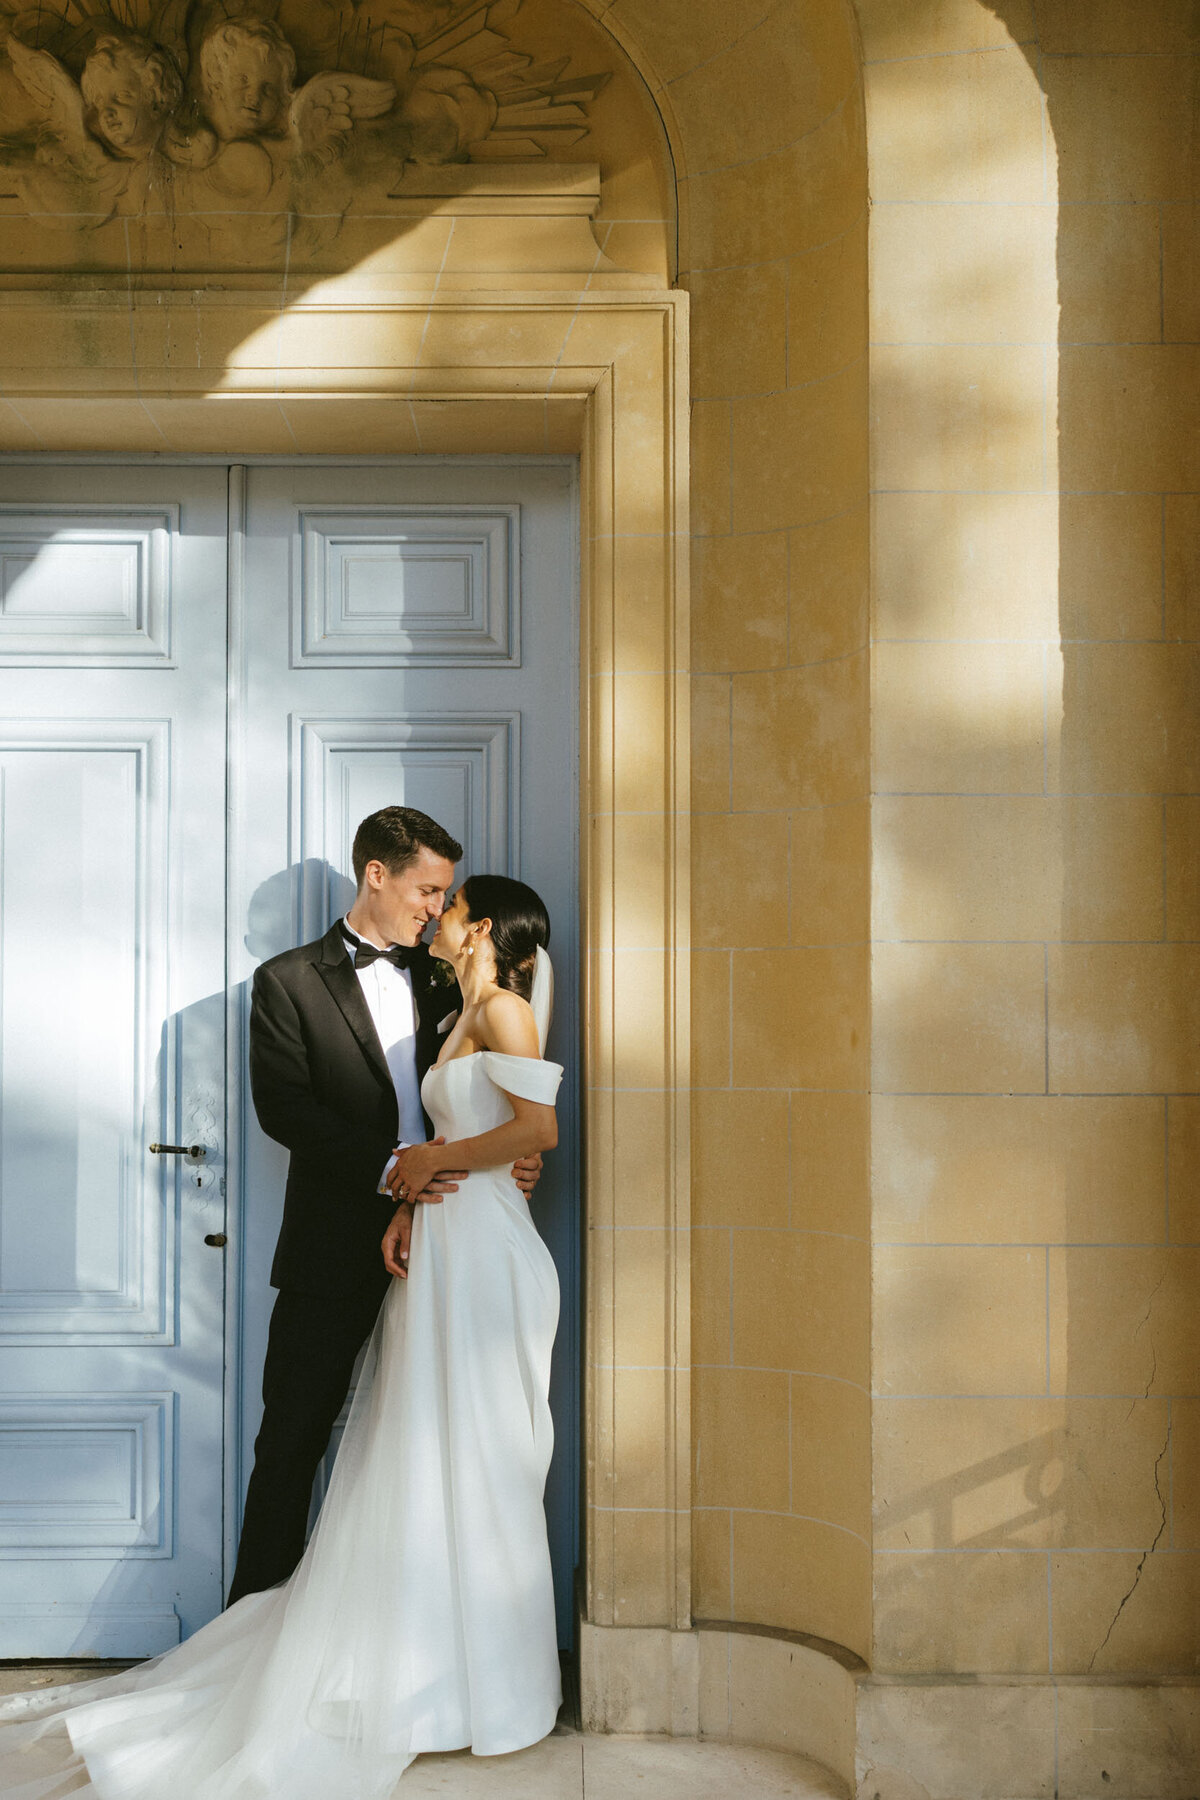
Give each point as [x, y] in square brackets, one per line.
[60, 105]
[537, 112]
[325, 110]
[58, 164]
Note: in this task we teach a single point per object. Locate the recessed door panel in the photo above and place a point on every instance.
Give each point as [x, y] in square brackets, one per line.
[398, 585]
[85, 586]
[84, 797]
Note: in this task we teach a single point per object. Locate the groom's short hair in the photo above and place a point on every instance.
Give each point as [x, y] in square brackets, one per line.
[395, 836]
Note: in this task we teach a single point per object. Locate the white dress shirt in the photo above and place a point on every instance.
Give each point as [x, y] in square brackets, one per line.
[388, 993]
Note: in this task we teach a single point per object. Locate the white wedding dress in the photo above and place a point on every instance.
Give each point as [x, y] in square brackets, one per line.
[422, 1615]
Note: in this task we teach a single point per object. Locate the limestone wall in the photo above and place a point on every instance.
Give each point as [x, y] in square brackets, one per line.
[1034, 996]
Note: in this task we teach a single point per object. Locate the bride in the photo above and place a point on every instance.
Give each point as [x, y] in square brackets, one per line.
[422, 1614]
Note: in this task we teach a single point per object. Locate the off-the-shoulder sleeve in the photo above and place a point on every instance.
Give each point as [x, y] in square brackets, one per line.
[526, 1076]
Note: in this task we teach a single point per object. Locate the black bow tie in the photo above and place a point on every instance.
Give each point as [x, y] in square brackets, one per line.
[400, 955]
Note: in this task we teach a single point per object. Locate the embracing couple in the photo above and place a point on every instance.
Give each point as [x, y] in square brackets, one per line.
[409, 1084]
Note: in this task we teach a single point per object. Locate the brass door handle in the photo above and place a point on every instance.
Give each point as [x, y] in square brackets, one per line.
[196, 1150]
[216, 1240]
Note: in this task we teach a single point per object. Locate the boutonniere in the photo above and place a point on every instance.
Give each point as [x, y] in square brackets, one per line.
[441, 974]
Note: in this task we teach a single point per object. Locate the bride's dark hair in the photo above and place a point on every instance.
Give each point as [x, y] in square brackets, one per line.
[520, 924]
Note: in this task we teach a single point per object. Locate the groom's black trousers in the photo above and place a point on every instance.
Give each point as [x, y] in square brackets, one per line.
[313, 1341]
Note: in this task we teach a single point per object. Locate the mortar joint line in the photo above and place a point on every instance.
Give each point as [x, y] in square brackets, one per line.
[732, 1359]
[791, 1491]
[1166, 1169]
[1047, 1305]
[1163, 554]
[1046, 1017]
[1050, 1620]
[1171, 1471]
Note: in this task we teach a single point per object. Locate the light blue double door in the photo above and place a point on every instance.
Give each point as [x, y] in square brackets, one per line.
[208, 675]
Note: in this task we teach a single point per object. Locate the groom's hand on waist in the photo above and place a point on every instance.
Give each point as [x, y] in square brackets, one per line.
[527, 1172]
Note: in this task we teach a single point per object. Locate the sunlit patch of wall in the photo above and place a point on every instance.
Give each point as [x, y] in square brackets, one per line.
[1035, 761]
[969, 847]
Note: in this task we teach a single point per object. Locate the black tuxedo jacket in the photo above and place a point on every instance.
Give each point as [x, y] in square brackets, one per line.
[322, 1088]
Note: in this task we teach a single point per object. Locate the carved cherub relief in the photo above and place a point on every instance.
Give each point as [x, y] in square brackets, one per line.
[60, 166]
[253, 129]
[247, 75]
[301, 108]
[131, 89]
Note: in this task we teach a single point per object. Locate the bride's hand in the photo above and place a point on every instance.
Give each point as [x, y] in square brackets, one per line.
[417, 1175]
[396, 1240]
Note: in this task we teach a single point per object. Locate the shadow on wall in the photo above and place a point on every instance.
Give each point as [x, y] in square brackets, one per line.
[188, 1187]
[1039, 742]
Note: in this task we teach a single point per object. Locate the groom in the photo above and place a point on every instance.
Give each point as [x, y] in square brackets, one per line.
[341, 1033]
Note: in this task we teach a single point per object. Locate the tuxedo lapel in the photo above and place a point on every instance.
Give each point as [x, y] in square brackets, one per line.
[433, 1000]
[337, 972]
